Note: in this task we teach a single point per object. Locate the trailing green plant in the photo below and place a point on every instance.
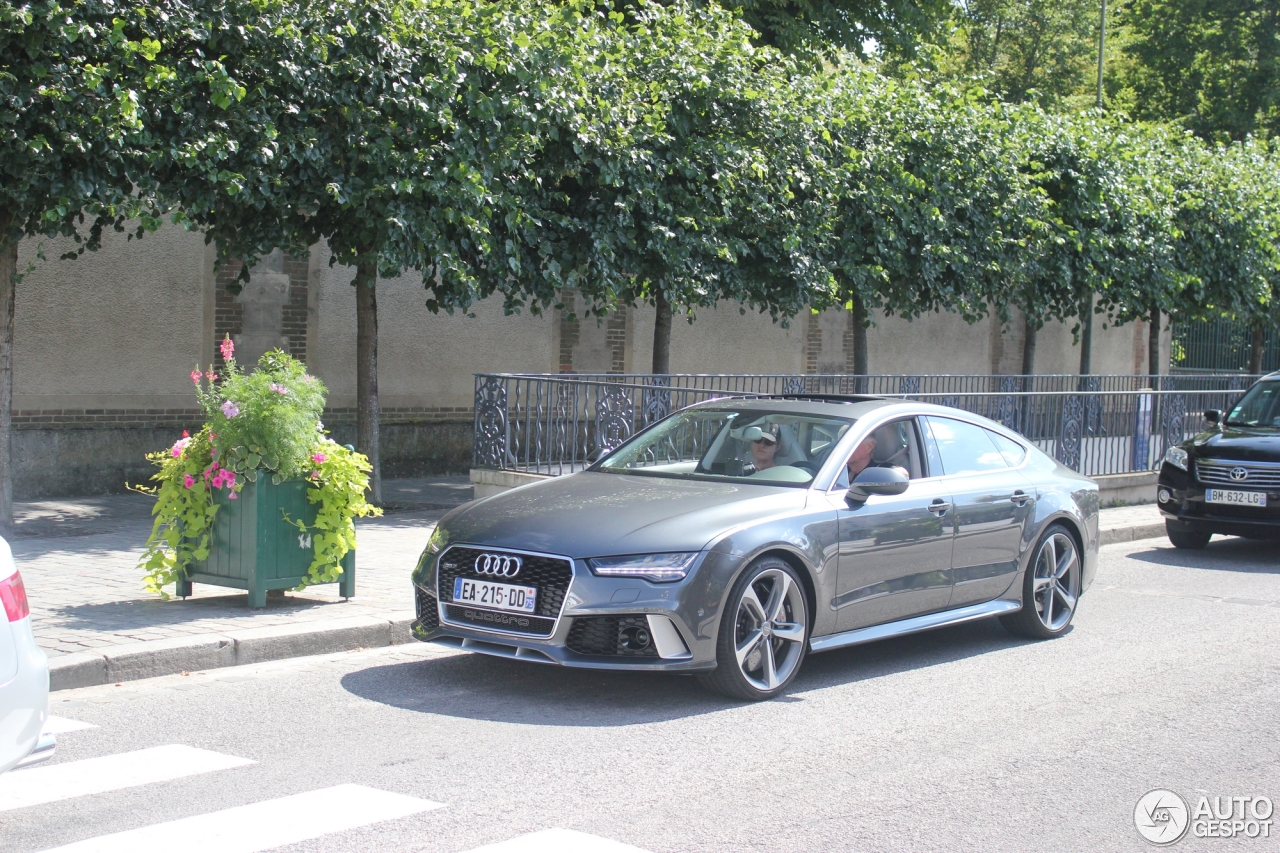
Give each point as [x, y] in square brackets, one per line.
[266, 422]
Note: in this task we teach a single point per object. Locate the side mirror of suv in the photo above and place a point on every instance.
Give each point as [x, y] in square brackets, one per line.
[875, 481]
[1213, 416]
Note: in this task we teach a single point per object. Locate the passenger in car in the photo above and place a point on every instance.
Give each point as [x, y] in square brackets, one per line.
[764, 447]
[864, 455]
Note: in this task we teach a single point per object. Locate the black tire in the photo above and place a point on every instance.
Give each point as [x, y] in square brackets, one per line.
[1185, 536]
[738, 627]
[1048, 606]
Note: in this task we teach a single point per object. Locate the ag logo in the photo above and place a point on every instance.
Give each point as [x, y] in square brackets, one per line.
[1161, 817]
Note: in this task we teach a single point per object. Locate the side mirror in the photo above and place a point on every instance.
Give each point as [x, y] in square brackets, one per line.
[1213, 416]
[875, 481]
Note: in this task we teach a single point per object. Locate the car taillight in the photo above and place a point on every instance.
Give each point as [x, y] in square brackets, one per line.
[14, 596]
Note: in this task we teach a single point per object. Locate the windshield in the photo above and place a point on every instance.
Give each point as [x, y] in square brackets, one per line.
[773, 448]
[1259, 408]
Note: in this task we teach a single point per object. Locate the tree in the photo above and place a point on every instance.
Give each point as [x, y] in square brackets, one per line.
[1022, 49]
[923, 187]
[385, 128]
[70, 80]
[895, 28]
[1212, 66]
[683, 175]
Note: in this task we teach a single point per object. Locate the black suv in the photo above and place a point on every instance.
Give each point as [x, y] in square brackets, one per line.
[1227, 478]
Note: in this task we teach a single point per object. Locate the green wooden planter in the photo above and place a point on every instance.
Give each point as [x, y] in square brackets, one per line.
[253, 548]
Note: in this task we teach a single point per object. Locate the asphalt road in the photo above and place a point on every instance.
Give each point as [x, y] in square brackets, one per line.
[962, 739]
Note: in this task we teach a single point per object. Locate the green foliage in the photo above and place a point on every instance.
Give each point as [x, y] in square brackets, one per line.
[1212, 66]
[184, 511]
[266, 420]
[338, 482]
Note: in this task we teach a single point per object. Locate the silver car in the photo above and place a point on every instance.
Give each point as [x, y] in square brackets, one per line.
[736, 536]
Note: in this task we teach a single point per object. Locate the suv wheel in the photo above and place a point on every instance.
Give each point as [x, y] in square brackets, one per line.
[764, 633]
[1185, 536]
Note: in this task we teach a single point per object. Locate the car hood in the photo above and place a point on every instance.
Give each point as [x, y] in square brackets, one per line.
[1246, 444]
[593, 514]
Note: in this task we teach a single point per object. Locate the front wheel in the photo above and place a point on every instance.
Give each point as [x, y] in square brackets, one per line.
[1050, 588]
[764, 633]
[1185, 536]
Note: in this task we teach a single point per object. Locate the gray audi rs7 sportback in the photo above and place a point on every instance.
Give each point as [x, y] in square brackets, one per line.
[737, 535]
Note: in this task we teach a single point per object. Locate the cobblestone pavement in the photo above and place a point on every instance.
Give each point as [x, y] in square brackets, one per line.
[78, 559]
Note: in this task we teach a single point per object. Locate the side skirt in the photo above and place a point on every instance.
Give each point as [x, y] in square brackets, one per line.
[913, 625]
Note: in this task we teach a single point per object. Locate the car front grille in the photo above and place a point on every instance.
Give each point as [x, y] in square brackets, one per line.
[428, 611]
[611, 635]
[551, 576]
[1258, 475]
[498, 620]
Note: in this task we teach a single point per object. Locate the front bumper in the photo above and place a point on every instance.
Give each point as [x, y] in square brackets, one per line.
[681, 620]
[1186, 504]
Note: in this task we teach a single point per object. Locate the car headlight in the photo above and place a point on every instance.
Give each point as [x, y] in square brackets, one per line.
[1177, 457]
[659, 568]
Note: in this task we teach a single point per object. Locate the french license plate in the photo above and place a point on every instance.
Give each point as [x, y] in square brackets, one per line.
[499, 596]
[1229, 496]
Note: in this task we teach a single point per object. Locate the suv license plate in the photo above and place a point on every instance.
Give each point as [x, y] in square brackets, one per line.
[498, 596]
[1227, 496]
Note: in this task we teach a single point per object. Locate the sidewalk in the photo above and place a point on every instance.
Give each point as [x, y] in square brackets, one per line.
[79, 557]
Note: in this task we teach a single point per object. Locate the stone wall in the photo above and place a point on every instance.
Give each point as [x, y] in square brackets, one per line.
[104, 345]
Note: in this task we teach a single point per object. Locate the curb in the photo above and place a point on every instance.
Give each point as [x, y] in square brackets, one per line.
[134, 661]
[1112, 535]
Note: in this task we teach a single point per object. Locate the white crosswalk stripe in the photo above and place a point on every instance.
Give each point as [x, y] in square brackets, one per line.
[61, 725]
[262, 825]
[557, 841]
[69, 779]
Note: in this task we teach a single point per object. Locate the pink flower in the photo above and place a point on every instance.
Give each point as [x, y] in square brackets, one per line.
[211, 376]
[228, 348]
[195, 376]
[228, 477]
[315, 475]
[233, 496]
[230, 409]
[179, 446]
[278, 388]
[188, 481]
[318, 458]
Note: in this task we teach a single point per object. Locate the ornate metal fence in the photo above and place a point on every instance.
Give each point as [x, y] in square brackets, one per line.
[556, 424]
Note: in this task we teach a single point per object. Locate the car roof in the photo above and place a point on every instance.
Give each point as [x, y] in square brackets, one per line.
[853, 407]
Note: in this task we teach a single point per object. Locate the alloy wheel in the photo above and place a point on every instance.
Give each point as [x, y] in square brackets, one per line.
[1056, 584]
[770, 630]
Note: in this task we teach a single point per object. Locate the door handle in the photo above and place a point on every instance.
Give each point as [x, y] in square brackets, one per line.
[939, 507]
[1020, 497]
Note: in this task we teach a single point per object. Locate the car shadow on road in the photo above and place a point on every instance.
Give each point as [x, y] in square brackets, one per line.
[1227, 553]
[480, 687]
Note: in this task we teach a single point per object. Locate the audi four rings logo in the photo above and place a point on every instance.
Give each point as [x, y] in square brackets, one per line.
[497, 565]
[1239, 474]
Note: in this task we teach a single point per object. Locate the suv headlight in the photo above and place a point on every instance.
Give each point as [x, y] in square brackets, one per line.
[1177, 457]
[659, 568]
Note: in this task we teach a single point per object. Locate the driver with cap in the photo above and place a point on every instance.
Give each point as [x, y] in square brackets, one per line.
[764, 447]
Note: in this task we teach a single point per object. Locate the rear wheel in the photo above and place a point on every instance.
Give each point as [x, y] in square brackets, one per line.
[764, 633]
[1050, 588]
[1183, 535]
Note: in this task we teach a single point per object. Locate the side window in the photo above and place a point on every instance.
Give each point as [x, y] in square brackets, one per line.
[1013, 452]
[931, 450]
[891, 445]
[964, 448]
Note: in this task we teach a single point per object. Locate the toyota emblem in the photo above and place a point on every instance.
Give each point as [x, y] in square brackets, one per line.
[1239, 474]
[498, 565]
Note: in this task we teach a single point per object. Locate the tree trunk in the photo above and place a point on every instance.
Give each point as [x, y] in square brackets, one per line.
[1153, 347]
[1256, 348]
[662, 334]
[1029, 333]
[8, 277]
[1086, 336]
[859, 336]
[367, 373]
